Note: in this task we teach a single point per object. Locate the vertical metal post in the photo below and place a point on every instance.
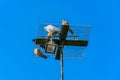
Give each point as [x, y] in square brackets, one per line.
[61, 66]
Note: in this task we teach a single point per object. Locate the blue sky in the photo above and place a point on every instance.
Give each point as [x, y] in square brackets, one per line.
[18, 25]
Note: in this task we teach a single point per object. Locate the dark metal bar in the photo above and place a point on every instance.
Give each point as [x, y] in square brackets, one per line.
[61, 66]
[62, 38]
[75, 42]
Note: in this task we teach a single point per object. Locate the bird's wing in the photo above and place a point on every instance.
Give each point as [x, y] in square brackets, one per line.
[51, 28]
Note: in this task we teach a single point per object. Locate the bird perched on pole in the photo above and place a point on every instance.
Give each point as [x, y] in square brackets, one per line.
[52, 31]
[65, 23]
[39, 53]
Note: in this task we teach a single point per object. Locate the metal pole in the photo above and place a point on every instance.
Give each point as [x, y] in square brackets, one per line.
[61, 66]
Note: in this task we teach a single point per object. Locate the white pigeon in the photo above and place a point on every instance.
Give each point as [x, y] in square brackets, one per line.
[52, 31]
[51, 28]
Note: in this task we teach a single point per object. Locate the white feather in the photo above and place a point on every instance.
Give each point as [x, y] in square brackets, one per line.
[51, 28]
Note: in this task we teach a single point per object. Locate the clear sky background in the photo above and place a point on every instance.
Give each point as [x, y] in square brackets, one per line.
[18, 25]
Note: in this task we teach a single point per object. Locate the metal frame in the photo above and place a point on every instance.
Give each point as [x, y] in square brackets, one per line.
[54, 46]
